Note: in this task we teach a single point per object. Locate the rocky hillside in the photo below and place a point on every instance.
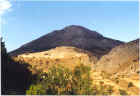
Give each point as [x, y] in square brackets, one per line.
[76, 36]
[121, 59]
[64, 55]
[120, 68]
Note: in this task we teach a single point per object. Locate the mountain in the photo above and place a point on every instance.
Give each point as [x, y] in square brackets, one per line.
[113, 63]
[121, 59]
[74, 35]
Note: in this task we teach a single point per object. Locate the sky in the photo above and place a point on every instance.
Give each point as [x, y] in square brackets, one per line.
[25, 21]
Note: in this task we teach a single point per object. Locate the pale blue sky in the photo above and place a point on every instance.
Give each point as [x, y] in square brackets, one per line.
[29, 20]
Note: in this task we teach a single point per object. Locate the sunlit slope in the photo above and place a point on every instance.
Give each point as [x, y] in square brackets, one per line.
[67, 56]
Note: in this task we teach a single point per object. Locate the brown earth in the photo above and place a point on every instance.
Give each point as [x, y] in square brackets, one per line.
[121, 59]
[67, 56]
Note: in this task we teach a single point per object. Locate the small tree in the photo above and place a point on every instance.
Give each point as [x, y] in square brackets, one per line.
[3, 49]
[82, 81]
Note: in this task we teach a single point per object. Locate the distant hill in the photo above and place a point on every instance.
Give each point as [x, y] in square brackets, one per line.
[76, 36]
[121, 59]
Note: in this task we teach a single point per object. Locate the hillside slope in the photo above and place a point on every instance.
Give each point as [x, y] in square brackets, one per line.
[120, 68]
[123, 58]
[64, 55]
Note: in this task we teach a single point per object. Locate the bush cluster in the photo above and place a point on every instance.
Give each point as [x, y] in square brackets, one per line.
[62, 81]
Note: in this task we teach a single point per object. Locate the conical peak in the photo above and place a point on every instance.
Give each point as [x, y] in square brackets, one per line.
[75, 27]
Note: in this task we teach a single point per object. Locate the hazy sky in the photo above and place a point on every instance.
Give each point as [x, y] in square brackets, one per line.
[27, 21]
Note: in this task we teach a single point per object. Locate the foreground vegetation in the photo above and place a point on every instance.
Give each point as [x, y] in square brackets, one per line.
[60, 80]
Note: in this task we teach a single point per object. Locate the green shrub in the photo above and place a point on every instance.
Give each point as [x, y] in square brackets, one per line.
[52, 82]
[81, 80]
[36, 90]
[138, 72]
[62, 81]
[123, 92]
[117, 80]
[104, 89]
[130, 84]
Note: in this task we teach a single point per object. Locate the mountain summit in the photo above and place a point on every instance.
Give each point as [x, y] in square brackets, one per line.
[74, 35]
